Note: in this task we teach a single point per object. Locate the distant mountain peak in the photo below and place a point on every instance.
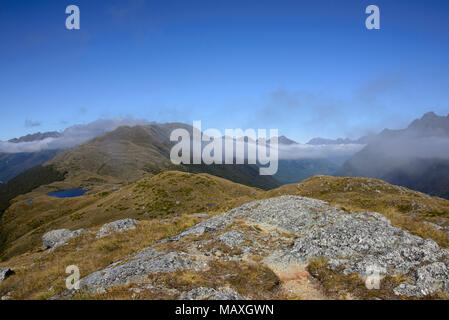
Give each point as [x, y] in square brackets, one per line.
[323, 141]
[429, 115]
[286, 141]
[416, 157]
[430, 124]
[283, 140]
[36, 137]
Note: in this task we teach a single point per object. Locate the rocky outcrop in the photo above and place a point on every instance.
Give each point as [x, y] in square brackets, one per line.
[289, 231]
[210, 294]
[5, 273]
[135, 268]
[116, 226]
[427, 280]
[56, 238]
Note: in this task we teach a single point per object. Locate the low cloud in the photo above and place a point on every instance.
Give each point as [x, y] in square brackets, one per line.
[305, 151]
[417, 147]
[71, 137]
[298, 151]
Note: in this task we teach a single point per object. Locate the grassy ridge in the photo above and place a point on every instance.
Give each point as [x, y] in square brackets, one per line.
[165, 195]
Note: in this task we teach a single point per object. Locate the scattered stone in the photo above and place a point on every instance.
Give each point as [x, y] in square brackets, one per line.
[56, 238]
[8, 296]
[116, 226]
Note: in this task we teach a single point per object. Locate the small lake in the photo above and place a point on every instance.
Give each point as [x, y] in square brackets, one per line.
[68, 193]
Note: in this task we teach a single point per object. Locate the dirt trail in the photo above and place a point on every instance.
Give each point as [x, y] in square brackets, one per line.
[296, 280]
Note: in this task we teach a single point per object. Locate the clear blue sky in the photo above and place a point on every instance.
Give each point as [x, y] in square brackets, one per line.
[308, 68]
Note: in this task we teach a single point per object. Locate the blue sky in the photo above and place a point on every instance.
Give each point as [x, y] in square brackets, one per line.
[308, 68]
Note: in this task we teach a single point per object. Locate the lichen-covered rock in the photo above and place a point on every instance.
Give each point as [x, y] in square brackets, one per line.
[291, 230]
[56, 238]
[197, 230]
[5, 273]
[116, 226]
[429, 279]
[146, 262]
[232, 238]
[202, 293]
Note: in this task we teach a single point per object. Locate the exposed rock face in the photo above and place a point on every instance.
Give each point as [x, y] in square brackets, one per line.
[210, 294]
[428, 279]
[56, 238]
[116, 226]
[5, 273]
[287, 231]
[232, 238]
[136, 267]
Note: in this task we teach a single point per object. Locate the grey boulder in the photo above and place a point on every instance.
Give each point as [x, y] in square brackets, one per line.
[56, 238]
[116, 226]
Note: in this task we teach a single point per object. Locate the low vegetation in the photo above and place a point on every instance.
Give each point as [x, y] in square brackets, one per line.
[253, 280]
[340, 286]
[41, 274]
[167, 194]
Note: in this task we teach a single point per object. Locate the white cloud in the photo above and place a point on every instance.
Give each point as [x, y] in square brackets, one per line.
[72, 136]
[306, 151]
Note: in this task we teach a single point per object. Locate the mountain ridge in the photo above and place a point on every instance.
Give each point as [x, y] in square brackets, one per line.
[416, 157]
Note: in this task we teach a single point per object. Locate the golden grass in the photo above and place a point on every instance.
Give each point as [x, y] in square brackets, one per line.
[167, 194]
[162, 203]
[252, 280]
[249, 279]
[40, 275]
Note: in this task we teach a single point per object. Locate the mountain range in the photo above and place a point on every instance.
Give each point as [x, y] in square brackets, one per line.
[416, 157]
[198, 231]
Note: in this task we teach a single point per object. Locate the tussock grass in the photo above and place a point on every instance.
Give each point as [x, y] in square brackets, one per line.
[40, 275]
[167, 194]
[249, 279]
